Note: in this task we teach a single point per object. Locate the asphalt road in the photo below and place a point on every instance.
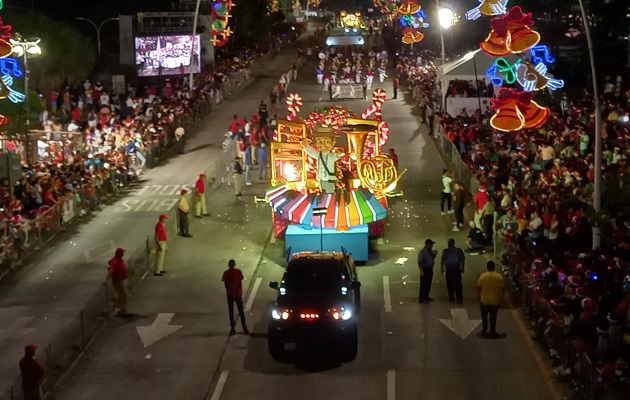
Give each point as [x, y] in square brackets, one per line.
[406, 349]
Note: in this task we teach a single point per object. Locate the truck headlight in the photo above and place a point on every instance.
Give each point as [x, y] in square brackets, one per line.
[342, 313]
[346, 314]
[275, 314]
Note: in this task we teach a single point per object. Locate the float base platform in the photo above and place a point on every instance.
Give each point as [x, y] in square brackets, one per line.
[355, 240]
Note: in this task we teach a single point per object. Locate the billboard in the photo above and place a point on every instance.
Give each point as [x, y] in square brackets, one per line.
[167, 55]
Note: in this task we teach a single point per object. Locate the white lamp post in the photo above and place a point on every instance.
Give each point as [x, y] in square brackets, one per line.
[446, 17]
[597, 185]
[26, 48]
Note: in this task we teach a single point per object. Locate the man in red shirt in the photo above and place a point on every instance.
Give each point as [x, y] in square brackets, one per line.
[232, 279]
[160, 245]
[200, 198]
[32, 374]
[396, 82]
[480, 199]
[117, 273]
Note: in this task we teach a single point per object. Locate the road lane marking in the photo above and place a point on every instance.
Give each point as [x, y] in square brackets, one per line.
[391, 384]
[386, 295]
[252, 295]
[18, 328]
[103, 249]
[216, 395]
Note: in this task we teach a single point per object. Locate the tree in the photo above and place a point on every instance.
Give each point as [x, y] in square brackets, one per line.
[67, 56]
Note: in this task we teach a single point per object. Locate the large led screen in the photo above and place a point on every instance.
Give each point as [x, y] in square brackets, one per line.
[167, 55]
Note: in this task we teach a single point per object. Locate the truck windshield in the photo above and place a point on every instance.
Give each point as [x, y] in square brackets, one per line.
[317, 276]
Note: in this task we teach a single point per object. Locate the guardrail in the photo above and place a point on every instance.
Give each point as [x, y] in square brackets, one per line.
[573, 364]
[450, 151]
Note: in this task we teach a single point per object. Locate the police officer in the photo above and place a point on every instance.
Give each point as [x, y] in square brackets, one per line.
[453, 263]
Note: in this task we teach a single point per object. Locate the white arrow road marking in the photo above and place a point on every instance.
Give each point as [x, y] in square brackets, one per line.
[252, 295]
[391, 384]
[103, 249]
[386, 295]
[17, 328]
[409, 248]
[158, 330]
[460, 324]
[216, 395]
[401, 261]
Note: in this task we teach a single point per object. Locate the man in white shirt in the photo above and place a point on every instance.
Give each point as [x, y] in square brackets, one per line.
[535, 226]
[547, 154]
[447, 192]
[326, 159]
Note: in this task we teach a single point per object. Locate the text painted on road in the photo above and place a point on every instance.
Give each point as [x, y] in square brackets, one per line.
[147, 198]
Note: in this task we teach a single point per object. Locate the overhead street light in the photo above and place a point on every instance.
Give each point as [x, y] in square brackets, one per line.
[98, 30]
[446, 17]
[26, 48]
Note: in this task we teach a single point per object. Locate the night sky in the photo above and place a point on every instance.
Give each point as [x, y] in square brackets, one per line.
[95, 9]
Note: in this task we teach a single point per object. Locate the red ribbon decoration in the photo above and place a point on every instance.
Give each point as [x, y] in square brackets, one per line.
[515, 16]
[523, 99]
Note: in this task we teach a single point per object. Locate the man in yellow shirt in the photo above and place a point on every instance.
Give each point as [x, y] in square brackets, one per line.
[183, 210]
[491, 292]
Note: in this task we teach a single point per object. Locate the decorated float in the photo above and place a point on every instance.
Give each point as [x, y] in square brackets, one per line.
[330, 181]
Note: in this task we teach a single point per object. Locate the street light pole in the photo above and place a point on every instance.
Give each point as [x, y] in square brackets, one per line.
[98, 30]
[26, 109]
[443, 53]
[597, 189]
[192, 49]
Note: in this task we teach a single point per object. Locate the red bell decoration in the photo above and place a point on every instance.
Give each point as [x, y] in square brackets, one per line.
[535, 115]
[495, 45]
[508, 118]
[522, 39]
[516, 110]
[511, 33]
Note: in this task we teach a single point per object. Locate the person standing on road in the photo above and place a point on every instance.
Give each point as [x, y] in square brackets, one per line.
[262, 161]
[117, 273]
[248, 166]
[160, 245]
[180, 140]
[453, 264]
[32, 374]
[200, 197]
[232, 279]
[263, 113]
[491, 290]
[458, 205]
[238, 177]
[396, 83]
[426, 261]
[183, 209]
[447, 190]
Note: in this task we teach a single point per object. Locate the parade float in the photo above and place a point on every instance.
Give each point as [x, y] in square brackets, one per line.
[330, 181]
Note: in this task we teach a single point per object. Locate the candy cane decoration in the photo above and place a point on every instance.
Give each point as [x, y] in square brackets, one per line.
[378, 99]
[294, 105]
[331, 121]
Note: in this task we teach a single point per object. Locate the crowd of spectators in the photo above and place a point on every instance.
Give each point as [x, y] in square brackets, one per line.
[93, 140]
[541, 183]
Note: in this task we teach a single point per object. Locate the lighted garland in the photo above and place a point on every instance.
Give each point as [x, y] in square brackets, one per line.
[315, 3]
[220, 17]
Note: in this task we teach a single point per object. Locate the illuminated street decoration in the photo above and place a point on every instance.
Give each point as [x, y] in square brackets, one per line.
[315, 3]
[220, 17]
[6, 92]
[5, 34]
[544, 51]
[411, 18]
[10, 66]
[536, 77]
[487, 7]
[511, 33]
[516, 110]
